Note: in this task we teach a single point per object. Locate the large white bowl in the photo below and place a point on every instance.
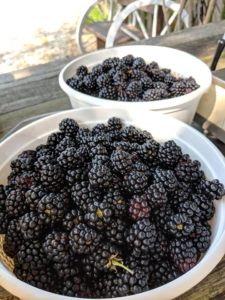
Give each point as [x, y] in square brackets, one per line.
[182, 108]
[163, 128]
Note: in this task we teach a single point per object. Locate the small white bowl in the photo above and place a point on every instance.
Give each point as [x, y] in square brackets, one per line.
[163, 128]
[182, 108]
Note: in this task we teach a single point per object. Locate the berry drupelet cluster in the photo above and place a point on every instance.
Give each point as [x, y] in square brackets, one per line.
[108, 211]
[130, 79]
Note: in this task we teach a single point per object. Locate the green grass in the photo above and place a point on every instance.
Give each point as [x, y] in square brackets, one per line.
[96, 15]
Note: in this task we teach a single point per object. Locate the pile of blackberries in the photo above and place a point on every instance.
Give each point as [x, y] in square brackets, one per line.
[130, 79]
[105, 212]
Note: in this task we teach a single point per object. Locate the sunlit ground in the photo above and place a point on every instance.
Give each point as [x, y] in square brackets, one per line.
[34, 32]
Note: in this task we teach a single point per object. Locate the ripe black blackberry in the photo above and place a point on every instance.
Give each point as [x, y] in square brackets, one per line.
[2, 197]
[135, 182]
[98, 214]
[160, 249]
[77, 174]
[127, 60]
[139, 63]
[108, 92]
[156, 195]
[109, 63]
[31, 226]
[83, 136]
[65, 143]
[43, 279]
[89, 83]
[56, 247]
[100, 176]
[13, 239]
[134, 89]
[33, 196]
[53, 207]
[30, 256]
[44, 160]
[100, 160]
[115, 231]
[65, 270]
[167, 178]
[161, 214]
[117, 201]
[188, 171]
[153, 94]
[23, 163]
[183, 253]
[159, 85]
[169, 79]
[125, 146]
[121, 161]
[52, 176]
[98, 150]
[191, 84]
[69, 127]
[162, 273]
[213, 189]
[70, 158]
[83, 239]
[178, 88]
[24, 180]
[114, 123]
[149, 150]
[142, 235]
[76, 286]
[54, 139]
[132, 135]
[102, 139]
[15, 203]
[201, 236]
[179, 225]
[141, 167]
[157, 74]
[89, 269]
[120, 79]
[169, 154]
[103, 80]
[99, 129]
[76, 84]
[139, 207]
[191, 209]
[73, 217]
[180, 195]
[82, 71]
[146, 83]
[206, 206]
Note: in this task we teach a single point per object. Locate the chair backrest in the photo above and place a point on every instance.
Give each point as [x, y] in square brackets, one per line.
[132, 9]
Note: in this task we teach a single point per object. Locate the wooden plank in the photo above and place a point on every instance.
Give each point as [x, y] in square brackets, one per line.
[11, 119]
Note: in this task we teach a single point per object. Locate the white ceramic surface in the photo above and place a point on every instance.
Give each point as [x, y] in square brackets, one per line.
[163, 128]
[182, 108]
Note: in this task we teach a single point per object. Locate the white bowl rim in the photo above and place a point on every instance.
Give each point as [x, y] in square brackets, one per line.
[200, 271]
[159, 104]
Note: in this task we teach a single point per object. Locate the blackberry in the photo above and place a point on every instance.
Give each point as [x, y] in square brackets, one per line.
[44, 160]
[108, 92]
[109, 63]
[13, 239]
[148, 151]
[135, 182]
[178, 88]
[153, 65]
[33, 196]
[201, 237]
[31, 226]
[153, 94]
[69, 127]
[142, 235]
[83, 136]
[77, 175]
[72, 218]
[161, 214]
[157, 74]
[169, 79]
[103, 80]
[24, 163]
[134, 89]
[167, 178]
[156, 195]
[212, 189]
[138, 63]
[30, 256]
[24, 180]
[82, 71]
[98, 150]
[188, 171]
[42, 279]
[89, 269]
[122, 95]
[160, 248]
[132, 134]
[116, 201]
[97, 70]
[121, 161]
[169, 154]
[51, 176]
[98, 214]
[76, 286]
[100, 176]
[179, 225]
[89, 83]
[101, 160]
[83, 239]
[180, 195]
[138, 262]
[54, 139]
[15, 203]
[191, 209]
[206, 206]
[139, 207]
[114, 123]
[120, 79]
[163, 272]
[125, 146]
[70, 158]
[53, 207]
[191, 84]
[76, 84]
[115, 231]
[146, 83]
[127, 60]
[2, 197]
[56, 247]
[65, 270]
[141, 167]
[184, 254]
[66, 142]
[159, 85]
[99, 129]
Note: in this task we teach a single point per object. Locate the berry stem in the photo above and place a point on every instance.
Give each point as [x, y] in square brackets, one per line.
[116, 263]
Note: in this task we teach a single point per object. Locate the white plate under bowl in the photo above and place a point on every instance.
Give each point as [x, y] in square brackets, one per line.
[163, 128]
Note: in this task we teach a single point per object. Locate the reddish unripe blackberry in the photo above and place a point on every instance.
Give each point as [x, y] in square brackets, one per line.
[169, 154]
[83, 239]
[31, 226]
[139, 207]
[142, 235]
[179, 225]
[184, 254]
[56, 247]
